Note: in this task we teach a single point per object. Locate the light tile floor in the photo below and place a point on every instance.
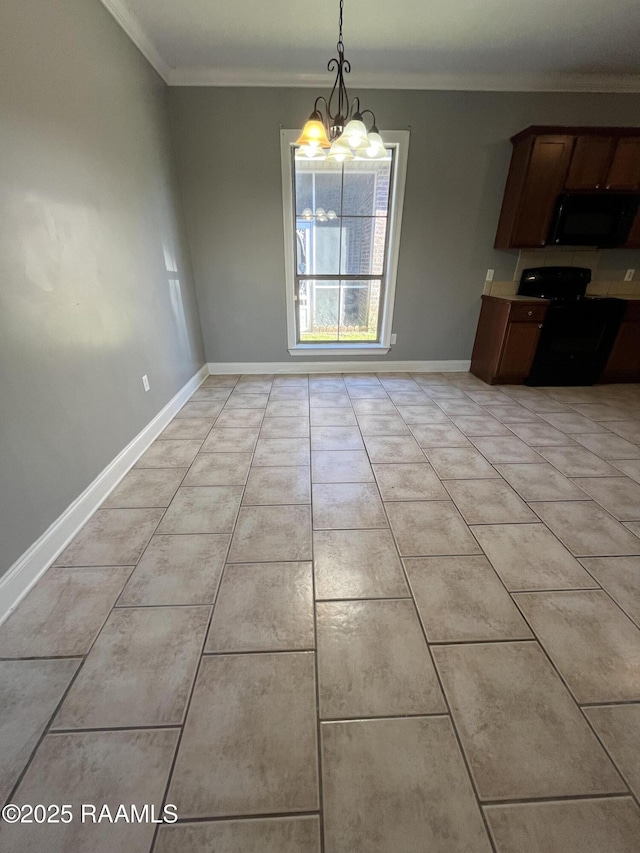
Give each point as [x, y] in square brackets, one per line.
[350, 614]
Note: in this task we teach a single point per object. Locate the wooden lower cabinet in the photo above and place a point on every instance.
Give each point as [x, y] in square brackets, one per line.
[509, 331]
[506, 340]
[624, 362]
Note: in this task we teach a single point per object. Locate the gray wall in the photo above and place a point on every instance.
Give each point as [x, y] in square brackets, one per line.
[88, 203]
[227, 143]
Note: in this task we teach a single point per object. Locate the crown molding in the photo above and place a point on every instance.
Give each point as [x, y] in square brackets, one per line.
[133, 28]
[257, 77]
[595, 83]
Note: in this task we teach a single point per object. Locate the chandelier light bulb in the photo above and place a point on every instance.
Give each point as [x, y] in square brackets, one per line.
[311, 152]
[307, 213]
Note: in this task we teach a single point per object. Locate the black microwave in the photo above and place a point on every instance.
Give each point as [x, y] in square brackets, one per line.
[593, 219]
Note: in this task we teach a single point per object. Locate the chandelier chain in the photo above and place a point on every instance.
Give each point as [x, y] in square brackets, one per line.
[340, 111]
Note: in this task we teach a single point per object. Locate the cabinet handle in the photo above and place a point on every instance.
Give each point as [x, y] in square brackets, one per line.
[597, 186]
[539, 325]
[530, 313]
[608, 187]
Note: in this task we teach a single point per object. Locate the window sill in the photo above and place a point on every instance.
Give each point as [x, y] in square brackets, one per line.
[339, 349]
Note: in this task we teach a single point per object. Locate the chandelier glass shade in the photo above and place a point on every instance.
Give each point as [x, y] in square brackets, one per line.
[339, 133]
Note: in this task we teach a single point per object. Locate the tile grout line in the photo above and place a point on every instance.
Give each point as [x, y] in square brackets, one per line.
[319, 776]
[598, 588]
[441, 688]
[609, 703]
[254, 652]
[185, 821]
[185, 710]
[316, 672]
[563, 798]
[155, 530]
[82, 730]
[187, 705]
[560, 538]
[205, 654]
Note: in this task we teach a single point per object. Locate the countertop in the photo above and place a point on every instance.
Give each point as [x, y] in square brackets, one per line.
[516, 298]
[627, 297]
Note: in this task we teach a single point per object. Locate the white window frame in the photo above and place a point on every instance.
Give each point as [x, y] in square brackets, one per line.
[399, 141]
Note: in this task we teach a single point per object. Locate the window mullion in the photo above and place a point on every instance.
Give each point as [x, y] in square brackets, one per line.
[340, 294]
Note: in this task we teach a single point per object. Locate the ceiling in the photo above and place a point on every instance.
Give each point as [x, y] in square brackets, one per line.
[494, 45]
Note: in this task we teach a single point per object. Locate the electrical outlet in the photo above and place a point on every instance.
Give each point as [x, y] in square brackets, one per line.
[629, 275]
[394, 338]
[145, 382]
[489, 275]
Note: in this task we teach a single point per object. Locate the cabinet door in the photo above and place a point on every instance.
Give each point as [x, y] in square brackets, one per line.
[545, 179]
[518, 352]
[624, 173]
[624, 361]
[633, 240]
[590, 163]
[492, 325]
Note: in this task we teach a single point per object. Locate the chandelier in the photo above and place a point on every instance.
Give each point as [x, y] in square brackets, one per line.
[340, 134]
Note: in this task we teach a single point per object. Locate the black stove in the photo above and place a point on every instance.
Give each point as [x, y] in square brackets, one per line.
[578, 331]
[555, 283]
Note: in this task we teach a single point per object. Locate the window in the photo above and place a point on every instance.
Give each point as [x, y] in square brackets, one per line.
[342, 229]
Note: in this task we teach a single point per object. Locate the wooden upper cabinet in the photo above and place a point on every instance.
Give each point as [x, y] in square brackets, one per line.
[590, 163]
[546, 170]
[624, 173]
[548, 161]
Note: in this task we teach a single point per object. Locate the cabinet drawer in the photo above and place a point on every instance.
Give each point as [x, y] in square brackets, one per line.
[527, 311]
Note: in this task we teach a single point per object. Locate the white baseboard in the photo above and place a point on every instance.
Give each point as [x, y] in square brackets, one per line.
[28, 568]
[316, 366]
